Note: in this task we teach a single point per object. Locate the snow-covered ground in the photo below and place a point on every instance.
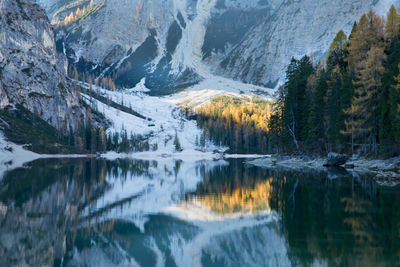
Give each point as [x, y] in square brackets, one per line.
[189, 55]
[14, 156]
[165, 119]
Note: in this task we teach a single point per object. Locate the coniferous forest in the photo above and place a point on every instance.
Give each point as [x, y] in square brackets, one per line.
[348, 102]
[238, 123]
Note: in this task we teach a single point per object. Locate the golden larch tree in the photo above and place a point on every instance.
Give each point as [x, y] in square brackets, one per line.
[392, 24]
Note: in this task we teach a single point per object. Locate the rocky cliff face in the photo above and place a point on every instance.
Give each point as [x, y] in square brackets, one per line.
[295, 29]
[174, 43]
[163, 41]
[31, 72]
[52, 6]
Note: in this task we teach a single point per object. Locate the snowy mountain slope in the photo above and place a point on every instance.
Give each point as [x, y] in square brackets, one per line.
[178, 43]
[160, 40]
[164, 120]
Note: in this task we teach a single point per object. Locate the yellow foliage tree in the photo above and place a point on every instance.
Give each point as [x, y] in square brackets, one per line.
[392, 24]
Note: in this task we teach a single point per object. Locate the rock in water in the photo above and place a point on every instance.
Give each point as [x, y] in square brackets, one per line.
[336, 160]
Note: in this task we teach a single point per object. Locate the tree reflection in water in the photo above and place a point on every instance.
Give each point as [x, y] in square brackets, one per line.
[53, 212]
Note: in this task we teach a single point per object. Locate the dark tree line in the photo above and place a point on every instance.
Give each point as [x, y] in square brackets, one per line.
[350, 103]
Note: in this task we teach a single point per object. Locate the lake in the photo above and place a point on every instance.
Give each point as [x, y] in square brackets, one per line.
[95, 212]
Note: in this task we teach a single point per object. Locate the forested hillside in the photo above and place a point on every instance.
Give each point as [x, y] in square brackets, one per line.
[351, 101]
[238, 123]
[348, 102]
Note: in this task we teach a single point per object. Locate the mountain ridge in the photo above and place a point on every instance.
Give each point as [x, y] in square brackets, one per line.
[182, 42]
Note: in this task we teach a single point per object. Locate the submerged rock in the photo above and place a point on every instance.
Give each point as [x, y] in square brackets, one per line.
[336, 160]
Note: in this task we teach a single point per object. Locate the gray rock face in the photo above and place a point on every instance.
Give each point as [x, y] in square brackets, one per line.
[248, 40]
[3, 97]
[295, 29]
[31, 72]
[163, 41]
[52, 6]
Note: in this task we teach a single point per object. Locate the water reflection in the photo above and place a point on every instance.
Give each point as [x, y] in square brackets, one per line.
[88, 212]
[242, 200]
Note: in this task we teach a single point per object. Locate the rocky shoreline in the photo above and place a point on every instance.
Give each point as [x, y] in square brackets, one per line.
[385, 172]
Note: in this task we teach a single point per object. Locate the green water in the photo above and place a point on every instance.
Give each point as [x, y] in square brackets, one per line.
[88, 212]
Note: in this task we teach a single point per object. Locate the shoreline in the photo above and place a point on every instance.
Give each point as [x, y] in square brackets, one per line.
[385, 172]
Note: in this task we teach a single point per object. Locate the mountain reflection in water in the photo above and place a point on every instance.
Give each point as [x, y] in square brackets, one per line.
[92, 212]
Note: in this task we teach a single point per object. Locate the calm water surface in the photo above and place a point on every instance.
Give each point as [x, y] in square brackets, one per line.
[88, 212]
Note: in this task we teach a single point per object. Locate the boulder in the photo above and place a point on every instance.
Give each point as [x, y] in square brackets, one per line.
[336, 160]
[349, 166]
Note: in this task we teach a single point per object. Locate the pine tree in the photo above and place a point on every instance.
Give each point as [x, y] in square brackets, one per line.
[102, 142]
[353, 123]
[394, 105]
[90, 81]
[177, 143]
[296, 104]
[93, 140]
[203, 139]
[317, 85]
[333, 107]
[353, 30]
[364, 111]
[338, 45]
[368, 33]
[389, 96]
[392, 24]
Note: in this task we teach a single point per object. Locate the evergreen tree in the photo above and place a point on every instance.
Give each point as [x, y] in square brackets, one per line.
[368, 33]
[364, 110]
[317, 85]
[102, 142]
[203, 139]
[394, 106]
[338, 45]
[353, 30]
[296, 104]
[333, 109]
[392, 24]
[93, 140]
[389, 96]
[177, 143]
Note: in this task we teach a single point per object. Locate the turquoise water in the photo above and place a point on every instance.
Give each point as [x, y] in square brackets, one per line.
[88, 212]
